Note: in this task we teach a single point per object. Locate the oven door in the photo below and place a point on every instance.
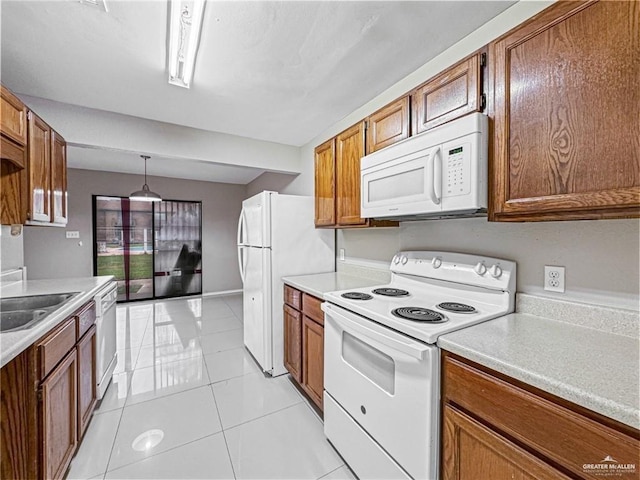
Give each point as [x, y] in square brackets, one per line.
[388, 383]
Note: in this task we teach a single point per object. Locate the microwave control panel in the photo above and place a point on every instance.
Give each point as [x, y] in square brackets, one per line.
[457, 170]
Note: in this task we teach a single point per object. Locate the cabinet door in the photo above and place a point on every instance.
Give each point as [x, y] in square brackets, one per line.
[471, 451]
[293, 342]
[13, 117]
[39, 166]
[86, 379]
[388, 125]
[349, 150]
[58, 418]
[565, 107]
[455, 92]
[325, 184]
[313, 360]
[58, 179]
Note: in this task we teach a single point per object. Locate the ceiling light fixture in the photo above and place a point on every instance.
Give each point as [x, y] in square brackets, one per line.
[145, 194]
[184, 35]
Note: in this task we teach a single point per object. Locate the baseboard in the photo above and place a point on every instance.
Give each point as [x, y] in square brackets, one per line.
[222, 293]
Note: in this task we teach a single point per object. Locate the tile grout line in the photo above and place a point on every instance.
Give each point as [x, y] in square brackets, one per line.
[226, 444]
[163, 452]
[113, 444]
[261, 416]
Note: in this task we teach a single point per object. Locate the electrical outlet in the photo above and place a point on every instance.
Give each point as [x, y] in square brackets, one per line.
[73, 234]
[341, 254]
[554, 278]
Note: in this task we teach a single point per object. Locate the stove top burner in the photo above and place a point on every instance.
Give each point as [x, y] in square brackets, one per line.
[456, 307]
[391, 292]
[357, 296]
[419, 314]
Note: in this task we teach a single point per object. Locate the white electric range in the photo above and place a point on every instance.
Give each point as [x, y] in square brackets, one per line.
[381, 364]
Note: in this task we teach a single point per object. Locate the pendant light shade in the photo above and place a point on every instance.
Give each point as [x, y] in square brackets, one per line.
[145, 194]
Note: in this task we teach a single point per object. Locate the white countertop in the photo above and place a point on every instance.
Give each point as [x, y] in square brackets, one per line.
[14, 343]
[594, 369]
[320, 283]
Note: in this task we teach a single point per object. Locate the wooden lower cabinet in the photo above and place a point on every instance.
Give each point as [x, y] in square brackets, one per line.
[304, 342]
[472, 451]
[87, 397]
[499, 428]
[313, 359]
[48, 394]
[293, 342]
[58, 411]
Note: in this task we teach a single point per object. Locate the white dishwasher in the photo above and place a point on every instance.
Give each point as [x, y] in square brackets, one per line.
[106, 357]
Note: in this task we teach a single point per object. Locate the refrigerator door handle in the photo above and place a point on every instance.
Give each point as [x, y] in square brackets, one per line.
[242, 262]
[242, 227]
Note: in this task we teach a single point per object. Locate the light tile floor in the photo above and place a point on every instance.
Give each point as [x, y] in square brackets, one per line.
[188, 401]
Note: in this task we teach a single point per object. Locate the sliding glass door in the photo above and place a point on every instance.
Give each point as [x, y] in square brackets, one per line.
[178, 248]
[152, 249]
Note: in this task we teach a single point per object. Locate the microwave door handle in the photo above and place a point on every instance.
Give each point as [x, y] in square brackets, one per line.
[347, 324]
[435, 176]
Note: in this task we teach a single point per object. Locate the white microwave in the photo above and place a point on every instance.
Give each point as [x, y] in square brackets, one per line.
[439, 173]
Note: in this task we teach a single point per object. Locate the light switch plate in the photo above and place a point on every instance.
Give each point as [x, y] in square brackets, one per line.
[72, 234]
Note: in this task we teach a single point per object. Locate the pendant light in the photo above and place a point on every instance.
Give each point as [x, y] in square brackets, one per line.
[145, 194]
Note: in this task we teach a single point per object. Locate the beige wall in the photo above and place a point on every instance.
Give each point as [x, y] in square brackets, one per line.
[11, 249]
[48, 254]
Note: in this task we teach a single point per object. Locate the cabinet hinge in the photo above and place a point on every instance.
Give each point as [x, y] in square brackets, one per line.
[39, 395]
[483, 101]
[483, 59]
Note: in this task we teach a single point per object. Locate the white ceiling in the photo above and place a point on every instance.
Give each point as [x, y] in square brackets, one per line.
[276, 71]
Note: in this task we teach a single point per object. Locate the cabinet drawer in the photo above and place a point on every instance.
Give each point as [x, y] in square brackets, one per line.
[55, 346]
[86, 317]
[565, 437]
[293, 297]
[311, 308]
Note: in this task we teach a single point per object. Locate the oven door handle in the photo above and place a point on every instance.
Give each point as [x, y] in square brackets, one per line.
[377, 335]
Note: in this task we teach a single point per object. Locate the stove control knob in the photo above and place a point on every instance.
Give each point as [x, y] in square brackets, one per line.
[495, 271]
[396, 259]
[436, 262]
[480, 268]
[404, 260]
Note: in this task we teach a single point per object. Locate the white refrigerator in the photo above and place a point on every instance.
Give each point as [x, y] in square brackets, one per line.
[276, 238]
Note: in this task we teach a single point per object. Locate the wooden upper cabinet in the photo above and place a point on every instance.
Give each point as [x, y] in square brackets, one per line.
[58, 179]
[566, 97]
[39, 170]
[325, 184]
[13, 117]
[349, 150]
[388, 125]
[455, 92]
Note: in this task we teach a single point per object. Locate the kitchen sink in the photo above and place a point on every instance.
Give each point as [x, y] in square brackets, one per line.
[34, 302]
[19, 319]
[18, 313]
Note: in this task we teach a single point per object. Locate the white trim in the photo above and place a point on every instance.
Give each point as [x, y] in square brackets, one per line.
[222, 293]
[603, 298]
[365, 262]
